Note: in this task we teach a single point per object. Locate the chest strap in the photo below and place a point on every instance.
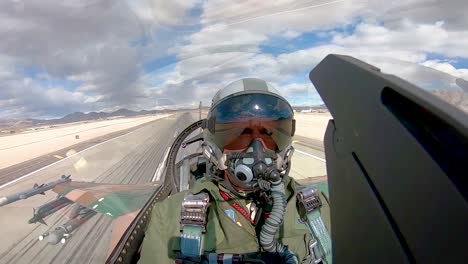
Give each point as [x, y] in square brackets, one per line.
[193, 217]
[309, 204]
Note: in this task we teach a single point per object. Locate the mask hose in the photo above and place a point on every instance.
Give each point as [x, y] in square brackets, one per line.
[272, 224]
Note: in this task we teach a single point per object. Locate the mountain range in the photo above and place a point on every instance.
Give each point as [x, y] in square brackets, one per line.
[10, 124]
[7, 125]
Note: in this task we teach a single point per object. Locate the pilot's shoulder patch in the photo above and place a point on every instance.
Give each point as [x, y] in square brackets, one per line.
[230, 214]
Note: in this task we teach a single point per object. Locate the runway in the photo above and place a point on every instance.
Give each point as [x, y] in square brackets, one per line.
[24, 146]
[13, 172]
[130, 158]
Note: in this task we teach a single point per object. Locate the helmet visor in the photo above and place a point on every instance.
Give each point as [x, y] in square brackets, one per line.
[237, 121]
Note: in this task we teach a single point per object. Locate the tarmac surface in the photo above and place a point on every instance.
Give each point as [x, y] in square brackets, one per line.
[14, 172]
[20, 147]
[129, 158]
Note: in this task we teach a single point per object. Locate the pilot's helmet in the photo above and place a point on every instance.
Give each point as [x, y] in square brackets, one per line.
[250, 116]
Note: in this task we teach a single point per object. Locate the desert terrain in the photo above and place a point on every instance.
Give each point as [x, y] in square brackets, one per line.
[21, 147]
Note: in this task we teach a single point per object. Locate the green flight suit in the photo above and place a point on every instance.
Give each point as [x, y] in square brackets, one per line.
[223, 234]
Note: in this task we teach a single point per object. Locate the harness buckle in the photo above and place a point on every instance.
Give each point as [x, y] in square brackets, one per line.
[309, 200]
[193, 217]
[194, 210]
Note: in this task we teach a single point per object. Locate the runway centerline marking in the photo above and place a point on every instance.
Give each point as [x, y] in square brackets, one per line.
[58, 161]
[58, 156]
[310, 155]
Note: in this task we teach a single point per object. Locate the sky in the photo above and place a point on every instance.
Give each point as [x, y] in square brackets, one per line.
[58, 57]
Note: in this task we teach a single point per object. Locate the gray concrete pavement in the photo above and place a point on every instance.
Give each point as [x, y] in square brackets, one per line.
[308, 159]
[132, 158]
[13, 172]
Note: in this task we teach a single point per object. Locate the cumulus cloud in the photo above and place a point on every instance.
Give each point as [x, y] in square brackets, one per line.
[162, 12]
[446, 67]
[280, 16]
[412, 43]
[97, 46]
[200, 77]
[25, 97]
[299, 16]
[368, 30]
[397, 51]
[409, 36]
[96, 55]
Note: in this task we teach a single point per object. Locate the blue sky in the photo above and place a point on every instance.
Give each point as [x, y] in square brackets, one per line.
[141, 51]
[461, 63]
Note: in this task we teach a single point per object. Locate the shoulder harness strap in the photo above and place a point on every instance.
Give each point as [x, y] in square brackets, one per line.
[193, 217]
[309, 204]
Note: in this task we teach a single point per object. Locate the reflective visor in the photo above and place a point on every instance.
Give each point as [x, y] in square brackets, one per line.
[235, 122]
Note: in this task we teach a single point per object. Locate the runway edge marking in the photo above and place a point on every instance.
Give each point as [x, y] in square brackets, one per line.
[310, 155]
[157, 174]
[58, 161]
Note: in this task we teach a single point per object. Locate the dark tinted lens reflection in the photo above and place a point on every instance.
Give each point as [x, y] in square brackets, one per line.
[259, 115]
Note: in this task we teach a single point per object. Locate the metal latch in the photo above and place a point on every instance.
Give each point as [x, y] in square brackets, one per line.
[309, 200]
[194, 210]
[314, 254]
